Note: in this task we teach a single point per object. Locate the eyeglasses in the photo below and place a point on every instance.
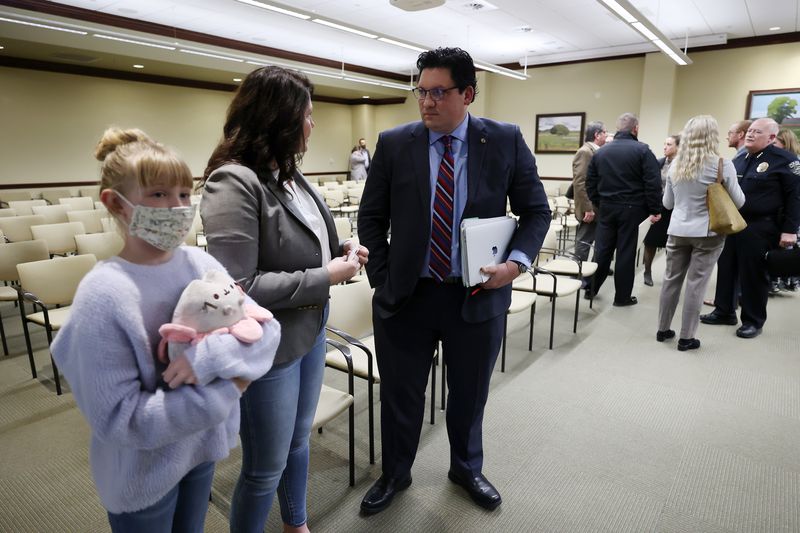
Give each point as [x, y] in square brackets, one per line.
[435, 94]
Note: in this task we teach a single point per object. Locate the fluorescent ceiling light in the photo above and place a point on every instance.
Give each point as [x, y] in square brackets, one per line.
[344, 28]
[44, 26]
[215, 56]
[138, 66]
[131, 41]
[276, 9]
[403, 45]
[500, 70]
[775, 28]
[323, 74]
[624, 10]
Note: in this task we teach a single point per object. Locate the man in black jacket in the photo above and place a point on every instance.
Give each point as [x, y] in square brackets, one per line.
[624, 180]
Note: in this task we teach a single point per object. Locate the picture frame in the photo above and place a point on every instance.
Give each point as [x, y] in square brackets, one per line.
[559, 133]
[783, 105]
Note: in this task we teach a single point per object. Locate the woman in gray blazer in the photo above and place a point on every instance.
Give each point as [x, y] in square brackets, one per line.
[275, 235]
[692, 250]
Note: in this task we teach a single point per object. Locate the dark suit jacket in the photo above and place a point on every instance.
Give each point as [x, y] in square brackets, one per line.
[398, 195]
[270, 250]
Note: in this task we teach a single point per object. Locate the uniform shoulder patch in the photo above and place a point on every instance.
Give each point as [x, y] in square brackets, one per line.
[794, 166]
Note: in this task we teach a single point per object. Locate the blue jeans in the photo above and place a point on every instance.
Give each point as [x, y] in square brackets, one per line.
[277, 413]
[183, 509]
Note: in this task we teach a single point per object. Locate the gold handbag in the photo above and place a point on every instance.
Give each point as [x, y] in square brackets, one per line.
[723, 216]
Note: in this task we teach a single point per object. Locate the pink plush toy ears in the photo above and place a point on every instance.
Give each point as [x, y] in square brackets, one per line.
[173, 333]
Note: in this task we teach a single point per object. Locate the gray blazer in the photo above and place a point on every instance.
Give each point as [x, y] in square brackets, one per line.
[688, 198]
[267, 247]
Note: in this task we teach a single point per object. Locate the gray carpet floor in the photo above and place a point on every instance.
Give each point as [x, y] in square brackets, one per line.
[609, 431]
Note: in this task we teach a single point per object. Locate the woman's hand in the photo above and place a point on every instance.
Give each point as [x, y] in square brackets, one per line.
[361, 251]
[340, 269]
[179, 372]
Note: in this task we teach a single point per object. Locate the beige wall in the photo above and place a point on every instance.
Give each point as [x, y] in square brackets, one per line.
[52, 121]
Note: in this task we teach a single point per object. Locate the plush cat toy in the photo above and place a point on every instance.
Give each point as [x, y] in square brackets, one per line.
[213, 304]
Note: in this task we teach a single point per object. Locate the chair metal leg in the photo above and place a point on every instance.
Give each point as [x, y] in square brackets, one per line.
[433, 389]
[552, 317]
[505, 334]
[352, 442]
[3, 336]
[371, 412]
[530, 331]
[577, 303]
[57, 379]
[442, 404]
[27, 338]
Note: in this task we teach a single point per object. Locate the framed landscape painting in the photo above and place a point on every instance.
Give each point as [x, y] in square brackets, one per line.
[559, 133]
[783, 105]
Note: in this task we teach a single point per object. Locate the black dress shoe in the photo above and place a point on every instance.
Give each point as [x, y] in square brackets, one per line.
[587, 295]
[661, 336]
[688, 344]
[479, 489]
[748, 331]
[716, 319]
[380, 495]
[625, 303]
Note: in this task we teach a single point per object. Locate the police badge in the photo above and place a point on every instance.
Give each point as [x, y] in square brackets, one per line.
[762, 167]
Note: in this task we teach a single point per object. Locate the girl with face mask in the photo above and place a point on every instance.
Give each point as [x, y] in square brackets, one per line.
[155, 436]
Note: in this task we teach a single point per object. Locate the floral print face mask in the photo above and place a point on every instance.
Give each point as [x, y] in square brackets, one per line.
[163, 227]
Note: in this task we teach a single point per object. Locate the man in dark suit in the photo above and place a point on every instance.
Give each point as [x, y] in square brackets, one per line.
[425, 178]
[624, 181]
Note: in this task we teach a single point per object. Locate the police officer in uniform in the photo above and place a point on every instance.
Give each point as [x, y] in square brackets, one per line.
[770, 180]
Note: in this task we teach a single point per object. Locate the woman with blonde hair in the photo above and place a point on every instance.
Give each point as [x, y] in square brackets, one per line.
[787, 140]
[692, 249]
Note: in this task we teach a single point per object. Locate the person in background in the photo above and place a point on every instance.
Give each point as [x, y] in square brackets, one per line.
[155, 437]
[623, 182]
[692, 250]
[427, 176]
[736, 134]
[359, 163]
[768, 176]
[594, 138]
[656, 236]
[787, 140]
[277, 238]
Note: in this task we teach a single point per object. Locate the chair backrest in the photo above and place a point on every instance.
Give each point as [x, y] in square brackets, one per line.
[7, 212]
[60, 238]
[53, 214]
[76, 203]
[334, 197]
[8, 196]
[52, 195]
[14, 253]
[19, 228]
[92, 219]
[351, 308]
[343, 228]
[101, 245]
[54, 281]
[23, 207]
[90, 192]
[551, 242]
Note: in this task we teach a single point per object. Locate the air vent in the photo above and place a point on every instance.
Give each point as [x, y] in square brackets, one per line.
[74, 58]
[474, 6]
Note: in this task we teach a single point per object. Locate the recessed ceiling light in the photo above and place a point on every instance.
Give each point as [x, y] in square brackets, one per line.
[138, 66]
[237, 79]
[365, 96]
[2, 47]
[775, 28]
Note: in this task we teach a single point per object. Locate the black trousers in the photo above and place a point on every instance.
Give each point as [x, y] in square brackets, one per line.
[743, 260]
[405, 345]
[618, 229]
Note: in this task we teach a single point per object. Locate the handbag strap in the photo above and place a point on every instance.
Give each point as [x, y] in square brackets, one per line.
[719, 171]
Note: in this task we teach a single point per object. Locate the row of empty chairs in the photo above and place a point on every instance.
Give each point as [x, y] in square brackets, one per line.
[50, 195]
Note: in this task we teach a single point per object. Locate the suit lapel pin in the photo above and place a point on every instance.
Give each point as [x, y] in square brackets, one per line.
[483, 140]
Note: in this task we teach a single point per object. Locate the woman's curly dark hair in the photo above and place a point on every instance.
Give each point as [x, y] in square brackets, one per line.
[265, 123]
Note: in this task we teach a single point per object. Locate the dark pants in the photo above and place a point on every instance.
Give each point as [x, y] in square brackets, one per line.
[405, 345]
[742, 259]
[618, 229]
[584, 237]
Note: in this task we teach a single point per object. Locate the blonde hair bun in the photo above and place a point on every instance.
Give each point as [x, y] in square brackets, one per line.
[114, 137]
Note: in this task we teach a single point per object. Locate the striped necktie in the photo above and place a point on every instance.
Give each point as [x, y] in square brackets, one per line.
[442, 217]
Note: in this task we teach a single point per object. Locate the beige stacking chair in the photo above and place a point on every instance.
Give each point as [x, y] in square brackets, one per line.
[24, 207]
[564, 263]
[334, 198]
[12, 254]
[9, 196]
[60, 238]
[92, 219]
[51, 196]
[45, 284]
[7, 212]
[333, 402]
[520, 301]
[101, 245]
[90, 192]
[77, 203]
[350, 321]
[18, 228]
[343, 228]
[53, 214]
